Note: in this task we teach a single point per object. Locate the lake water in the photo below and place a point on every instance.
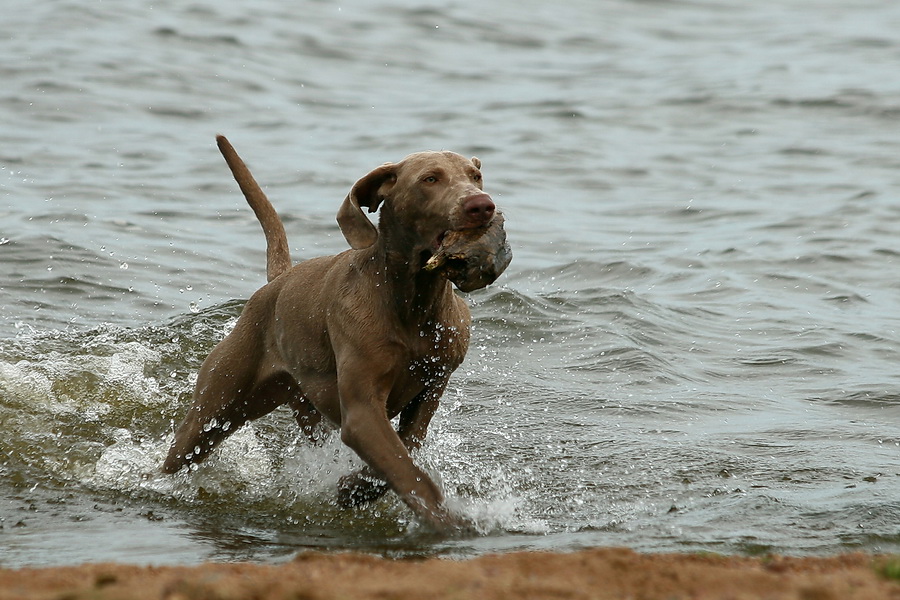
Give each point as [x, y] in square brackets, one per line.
[696, 346]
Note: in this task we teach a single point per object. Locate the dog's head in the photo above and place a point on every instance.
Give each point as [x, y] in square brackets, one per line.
[423, 197]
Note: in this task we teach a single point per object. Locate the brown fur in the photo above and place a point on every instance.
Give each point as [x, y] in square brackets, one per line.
[356, 338]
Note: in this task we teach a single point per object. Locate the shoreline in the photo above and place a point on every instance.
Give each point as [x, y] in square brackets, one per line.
[598, 573]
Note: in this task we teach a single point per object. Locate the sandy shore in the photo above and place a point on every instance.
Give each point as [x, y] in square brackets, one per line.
[595, 574]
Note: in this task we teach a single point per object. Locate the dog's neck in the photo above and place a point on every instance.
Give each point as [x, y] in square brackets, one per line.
[417, 295]
[397, 258]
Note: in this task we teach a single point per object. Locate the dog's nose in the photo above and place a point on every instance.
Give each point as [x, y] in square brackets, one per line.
[478, 210]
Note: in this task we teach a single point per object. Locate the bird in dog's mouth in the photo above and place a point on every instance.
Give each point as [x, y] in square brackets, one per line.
[472, 258]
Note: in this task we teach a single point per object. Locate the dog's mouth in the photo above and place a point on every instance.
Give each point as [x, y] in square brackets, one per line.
[435, 248]
[436, 245]
[448, 263]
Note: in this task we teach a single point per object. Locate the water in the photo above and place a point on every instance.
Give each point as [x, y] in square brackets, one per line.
[695, 347]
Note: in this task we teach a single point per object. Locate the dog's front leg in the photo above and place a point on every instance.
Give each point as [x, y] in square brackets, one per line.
[365, 485]
[367, 430]
[415, 418]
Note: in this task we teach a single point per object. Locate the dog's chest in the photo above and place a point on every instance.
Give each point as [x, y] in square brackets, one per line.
[435, 351]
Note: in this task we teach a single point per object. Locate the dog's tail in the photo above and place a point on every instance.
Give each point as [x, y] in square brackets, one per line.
[278, 254]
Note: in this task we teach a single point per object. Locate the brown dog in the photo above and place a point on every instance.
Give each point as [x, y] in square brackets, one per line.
[359, 337]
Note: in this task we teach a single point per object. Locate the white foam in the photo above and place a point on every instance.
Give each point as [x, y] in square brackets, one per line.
[22, 383]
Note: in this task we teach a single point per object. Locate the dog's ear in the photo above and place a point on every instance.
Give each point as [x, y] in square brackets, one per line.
[476, 161]
[369, 192]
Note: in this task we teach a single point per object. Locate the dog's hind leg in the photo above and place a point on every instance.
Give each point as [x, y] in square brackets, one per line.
[209, 419]
[219, 410]
[231, 390]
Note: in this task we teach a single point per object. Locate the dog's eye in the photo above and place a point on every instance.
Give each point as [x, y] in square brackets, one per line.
[430, 179]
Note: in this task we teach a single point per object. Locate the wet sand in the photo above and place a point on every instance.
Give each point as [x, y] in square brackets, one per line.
[596, 574]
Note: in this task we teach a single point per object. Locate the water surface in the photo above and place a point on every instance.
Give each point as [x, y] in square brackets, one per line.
[695, 347]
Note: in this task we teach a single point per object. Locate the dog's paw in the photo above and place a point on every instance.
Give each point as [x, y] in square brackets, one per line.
[443, 523]
[455, 525]
[359, 488]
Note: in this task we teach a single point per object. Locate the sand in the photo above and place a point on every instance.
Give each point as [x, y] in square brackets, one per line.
[596, 574]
